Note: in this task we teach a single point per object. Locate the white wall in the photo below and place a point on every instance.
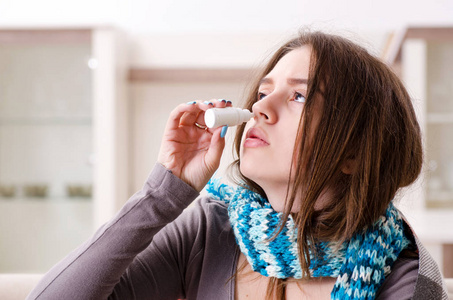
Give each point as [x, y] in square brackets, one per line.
[228, 16]
[225, 33]
[227, 50]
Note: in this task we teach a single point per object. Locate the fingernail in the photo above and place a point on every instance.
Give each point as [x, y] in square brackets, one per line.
[222, 100]
[229, 102]
[208, 103]
[191, 102]
[224, 131]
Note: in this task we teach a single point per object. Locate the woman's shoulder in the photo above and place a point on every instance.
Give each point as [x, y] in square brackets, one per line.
[401, 282]
[205, 215]
[205, 228]
[429, 280]
[415, 274]
[209, 202]
[210, 208]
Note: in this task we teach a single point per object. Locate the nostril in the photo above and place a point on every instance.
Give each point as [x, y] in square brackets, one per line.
[264, 115]
[262, 110]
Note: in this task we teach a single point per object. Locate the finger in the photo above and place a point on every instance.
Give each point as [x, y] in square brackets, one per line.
[221, 103]
[183, 111]
[215, 150]
[205, 105]
[209, 103]
[218, 103]
[189, 119]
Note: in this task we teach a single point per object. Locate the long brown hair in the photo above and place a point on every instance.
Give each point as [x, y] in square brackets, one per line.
[367, 120]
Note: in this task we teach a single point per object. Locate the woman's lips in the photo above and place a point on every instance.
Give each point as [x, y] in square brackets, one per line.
[255, 138]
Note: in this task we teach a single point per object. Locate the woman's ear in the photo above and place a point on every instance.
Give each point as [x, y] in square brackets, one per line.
[349, 166]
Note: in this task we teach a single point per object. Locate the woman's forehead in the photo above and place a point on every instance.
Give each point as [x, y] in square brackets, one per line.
[294, 64]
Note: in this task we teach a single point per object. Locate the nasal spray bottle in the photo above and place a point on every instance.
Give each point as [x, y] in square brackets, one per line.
[228, 116]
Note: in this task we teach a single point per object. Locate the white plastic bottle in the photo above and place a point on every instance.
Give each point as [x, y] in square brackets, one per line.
[229, 116]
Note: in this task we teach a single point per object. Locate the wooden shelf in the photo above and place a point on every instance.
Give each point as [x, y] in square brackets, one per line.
[189, 75]
[439, 199]
[44, 200]
[35, 121]
[392, 52]
[40, 36]
[440, 118]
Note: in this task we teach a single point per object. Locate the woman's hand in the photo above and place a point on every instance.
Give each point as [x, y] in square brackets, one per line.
[190, 152]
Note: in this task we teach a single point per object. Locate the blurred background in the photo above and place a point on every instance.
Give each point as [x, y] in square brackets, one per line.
[86, 87]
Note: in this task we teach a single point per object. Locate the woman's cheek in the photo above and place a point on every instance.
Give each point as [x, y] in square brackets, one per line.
[248, 125]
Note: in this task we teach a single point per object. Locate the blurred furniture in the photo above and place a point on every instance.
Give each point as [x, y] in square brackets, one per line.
[63, 121]
[423, 58]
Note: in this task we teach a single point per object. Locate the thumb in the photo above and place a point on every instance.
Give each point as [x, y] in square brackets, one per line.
[215, 151]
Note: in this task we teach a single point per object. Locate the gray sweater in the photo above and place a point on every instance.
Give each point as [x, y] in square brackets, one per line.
[153, 250]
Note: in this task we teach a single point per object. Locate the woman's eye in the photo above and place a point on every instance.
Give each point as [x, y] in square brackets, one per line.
[261, 96]
[298, 97]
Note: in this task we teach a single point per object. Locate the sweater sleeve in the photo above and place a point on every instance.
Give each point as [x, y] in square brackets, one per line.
[98, 269]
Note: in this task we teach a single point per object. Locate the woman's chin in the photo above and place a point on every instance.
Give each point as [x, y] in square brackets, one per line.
[251, 172]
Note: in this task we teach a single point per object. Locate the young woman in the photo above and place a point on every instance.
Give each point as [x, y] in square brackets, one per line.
[333, 139]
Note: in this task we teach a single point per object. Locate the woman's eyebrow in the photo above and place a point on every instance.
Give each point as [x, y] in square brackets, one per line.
[295, 81]
[291, 81]
[266, 80]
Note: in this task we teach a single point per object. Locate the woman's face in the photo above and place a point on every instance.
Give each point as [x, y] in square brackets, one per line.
[268, 141]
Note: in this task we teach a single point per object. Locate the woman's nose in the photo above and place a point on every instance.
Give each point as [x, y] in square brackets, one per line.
[265, 110]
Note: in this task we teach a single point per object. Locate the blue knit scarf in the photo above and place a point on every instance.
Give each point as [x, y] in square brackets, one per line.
[360, 264]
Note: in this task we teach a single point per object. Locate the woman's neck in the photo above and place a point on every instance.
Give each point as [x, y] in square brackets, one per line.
[251, 285]
[277, 197]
